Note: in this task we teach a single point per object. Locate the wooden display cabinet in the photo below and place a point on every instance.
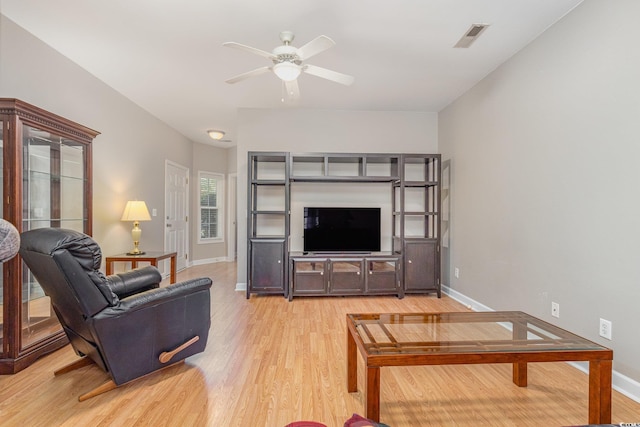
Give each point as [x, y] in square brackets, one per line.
[46, 182]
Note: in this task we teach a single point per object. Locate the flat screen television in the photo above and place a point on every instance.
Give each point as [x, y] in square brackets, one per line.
[329, 229]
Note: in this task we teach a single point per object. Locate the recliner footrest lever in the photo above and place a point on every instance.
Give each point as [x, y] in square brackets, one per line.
[166, 356]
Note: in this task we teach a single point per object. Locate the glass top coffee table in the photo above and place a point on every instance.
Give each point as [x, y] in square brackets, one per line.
[396, 339]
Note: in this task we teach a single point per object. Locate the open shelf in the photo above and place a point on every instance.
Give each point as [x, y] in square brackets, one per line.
[344, 167]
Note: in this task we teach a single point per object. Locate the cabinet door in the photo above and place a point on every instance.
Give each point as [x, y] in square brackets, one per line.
[346, 276]
[421, 266]
[309, 276]
[54, 194]
[267, 266]
[381, 275]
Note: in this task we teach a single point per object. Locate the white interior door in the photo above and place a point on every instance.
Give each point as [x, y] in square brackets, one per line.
[176, 208]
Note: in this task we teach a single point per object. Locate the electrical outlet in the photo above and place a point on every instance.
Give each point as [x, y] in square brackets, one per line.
[555, 309]
[456, 272]
[605, 328]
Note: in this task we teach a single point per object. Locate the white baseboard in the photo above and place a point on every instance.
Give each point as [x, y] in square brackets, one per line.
[240, 287]
[465, 300]
[625, 385]
[208, 260]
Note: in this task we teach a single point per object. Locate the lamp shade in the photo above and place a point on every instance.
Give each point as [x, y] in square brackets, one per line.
[136, 210]
[287, 71]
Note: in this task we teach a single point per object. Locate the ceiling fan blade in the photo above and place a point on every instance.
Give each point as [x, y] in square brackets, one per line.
[293, 90]
[250, 49]
[314, 47]
[334, 76]
[248, 74]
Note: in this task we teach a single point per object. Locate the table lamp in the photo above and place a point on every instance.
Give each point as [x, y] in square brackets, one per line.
[136, 211]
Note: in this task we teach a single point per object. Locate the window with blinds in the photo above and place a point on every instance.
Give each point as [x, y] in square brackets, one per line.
[211, 206]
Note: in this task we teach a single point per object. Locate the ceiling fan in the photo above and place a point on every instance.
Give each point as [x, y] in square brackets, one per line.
[288, 62]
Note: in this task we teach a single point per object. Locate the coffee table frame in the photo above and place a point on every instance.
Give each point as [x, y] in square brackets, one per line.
[519, 351]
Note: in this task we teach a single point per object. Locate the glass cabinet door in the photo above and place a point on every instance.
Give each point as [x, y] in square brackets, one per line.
[345, 275]
[53, 195]
[53, 187]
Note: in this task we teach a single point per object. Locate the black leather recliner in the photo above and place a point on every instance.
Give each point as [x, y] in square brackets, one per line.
[124, 323]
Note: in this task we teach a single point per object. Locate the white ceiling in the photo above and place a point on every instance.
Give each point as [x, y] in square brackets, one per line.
[167, 55]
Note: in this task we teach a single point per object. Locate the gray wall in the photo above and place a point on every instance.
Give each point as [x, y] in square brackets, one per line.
[129, 155]
[232, 157]
[325, 131]
[544, 186]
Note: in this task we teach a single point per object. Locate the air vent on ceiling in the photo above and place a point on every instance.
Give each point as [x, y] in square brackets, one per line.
[471, 35]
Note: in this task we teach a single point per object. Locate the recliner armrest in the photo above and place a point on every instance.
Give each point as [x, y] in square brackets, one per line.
[155, 296]
[134, 281]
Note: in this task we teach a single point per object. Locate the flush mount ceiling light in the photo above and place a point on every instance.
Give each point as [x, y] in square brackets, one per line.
[216, 134]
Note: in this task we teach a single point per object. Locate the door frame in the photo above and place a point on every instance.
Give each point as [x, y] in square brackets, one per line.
[187, 239]
[232, 216]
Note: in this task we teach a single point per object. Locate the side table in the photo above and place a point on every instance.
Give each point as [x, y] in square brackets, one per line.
[149, 256]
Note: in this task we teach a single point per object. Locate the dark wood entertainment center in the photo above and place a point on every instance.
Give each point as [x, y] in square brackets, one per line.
[412, 265]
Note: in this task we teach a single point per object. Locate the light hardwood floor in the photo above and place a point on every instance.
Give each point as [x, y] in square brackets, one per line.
[270, 362]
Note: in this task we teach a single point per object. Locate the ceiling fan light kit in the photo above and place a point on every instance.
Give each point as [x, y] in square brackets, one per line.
[288, 62]
[287, 71]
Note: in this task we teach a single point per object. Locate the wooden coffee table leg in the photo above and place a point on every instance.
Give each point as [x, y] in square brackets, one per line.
[352, 363]
[372, 393]
[600, 391]
[520, 369]
[173, 270]
[520, 374]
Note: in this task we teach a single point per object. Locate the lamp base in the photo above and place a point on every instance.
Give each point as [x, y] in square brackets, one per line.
[136, 253]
